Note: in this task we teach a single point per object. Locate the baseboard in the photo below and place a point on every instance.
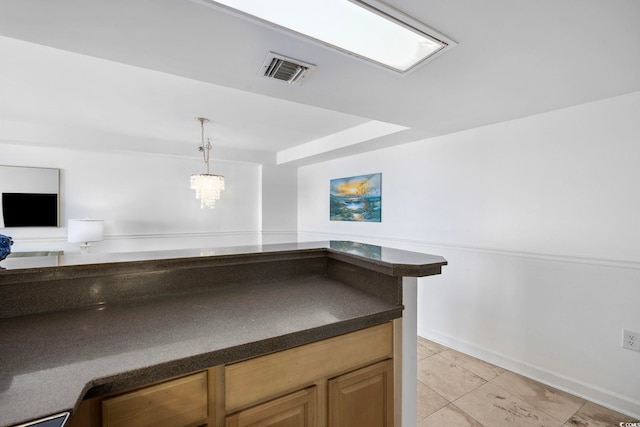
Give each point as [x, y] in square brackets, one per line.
[557, 380]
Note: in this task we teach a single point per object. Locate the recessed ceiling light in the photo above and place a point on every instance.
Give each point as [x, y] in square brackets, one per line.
[367, 29]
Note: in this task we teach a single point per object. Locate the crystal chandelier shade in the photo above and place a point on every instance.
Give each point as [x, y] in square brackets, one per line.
[207, 185]
[208, 188]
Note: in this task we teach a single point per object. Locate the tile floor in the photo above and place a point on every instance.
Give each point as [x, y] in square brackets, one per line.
[456, 390]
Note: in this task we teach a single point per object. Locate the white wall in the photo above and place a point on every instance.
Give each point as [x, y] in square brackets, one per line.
[280, 203]
[146, 202]
[538, 218]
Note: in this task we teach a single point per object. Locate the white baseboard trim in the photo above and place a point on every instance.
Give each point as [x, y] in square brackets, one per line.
[578, 388]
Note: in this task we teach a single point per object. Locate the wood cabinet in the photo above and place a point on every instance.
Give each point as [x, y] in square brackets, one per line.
[360, 398]
[181, 402]
[352, 373]
[344, 381]
[187, 401]
[293, 410]
[363, 397]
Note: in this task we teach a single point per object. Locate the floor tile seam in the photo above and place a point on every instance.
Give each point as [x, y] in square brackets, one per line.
[470, 391]
[578, 410]
[442, 353]
[434, 353]
[522, 398]
[430, 388]
[434, 350]
[466, 413]
[429, 357]
[457, 365]
[440, 408]
[469, 370]
[466, 370]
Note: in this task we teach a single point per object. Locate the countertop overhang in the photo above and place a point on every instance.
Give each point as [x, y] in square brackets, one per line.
[390, 261]
[97, 324]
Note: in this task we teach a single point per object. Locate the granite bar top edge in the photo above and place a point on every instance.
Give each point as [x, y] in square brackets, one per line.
[140, 265]
[396, 268]
[390, 261]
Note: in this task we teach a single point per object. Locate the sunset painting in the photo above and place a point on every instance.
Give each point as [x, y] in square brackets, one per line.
[356, 198]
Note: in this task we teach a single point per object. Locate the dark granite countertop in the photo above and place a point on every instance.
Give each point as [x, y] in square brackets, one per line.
[50, 360]
[391, 261]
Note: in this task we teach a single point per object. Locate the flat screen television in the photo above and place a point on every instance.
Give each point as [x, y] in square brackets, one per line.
[30, 209]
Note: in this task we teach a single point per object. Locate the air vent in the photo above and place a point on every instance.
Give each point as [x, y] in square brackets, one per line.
[285, 69]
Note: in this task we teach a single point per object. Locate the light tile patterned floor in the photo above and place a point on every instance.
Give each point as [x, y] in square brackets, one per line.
[456, 390]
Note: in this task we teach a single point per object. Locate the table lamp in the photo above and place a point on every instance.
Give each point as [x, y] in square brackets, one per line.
[85, 231]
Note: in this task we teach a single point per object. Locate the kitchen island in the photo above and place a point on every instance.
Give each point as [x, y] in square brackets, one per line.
[84, 328]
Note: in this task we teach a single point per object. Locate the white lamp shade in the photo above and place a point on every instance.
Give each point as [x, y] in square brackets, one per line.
[85, 230]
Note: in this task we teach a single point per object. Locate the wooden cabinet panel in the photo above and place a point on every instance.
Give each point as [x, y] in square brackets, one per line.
[175, 403]
[363, 397]
[294, 410]
[88, 414]
[255, 380]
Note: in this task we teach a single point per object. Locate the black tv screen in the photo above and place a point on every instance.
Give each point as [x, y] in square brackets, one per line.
[30, 210]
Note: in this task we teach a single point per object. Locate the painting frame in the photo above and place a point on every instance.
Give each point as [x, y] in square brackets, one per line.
[356, 198]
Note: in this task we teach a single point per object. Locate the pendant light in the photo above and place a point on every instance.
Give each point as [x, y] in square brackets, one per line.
[207, 185]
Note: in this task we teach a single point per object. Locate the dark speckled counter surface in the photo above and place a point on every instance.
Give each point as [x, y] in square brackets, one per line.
[96, 340]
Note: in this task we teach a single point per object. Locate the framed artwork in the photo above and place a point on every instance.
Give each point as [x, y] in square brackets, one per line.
[356, 198]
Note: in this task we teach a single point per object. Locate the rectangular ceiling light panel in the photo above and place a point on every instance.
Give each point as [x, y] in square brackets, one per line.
[366, 28]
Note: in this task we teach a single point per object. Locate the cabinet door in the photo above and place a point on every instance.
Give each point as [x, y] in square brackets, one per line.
[259, 379]
[175, 403]
[294, 410]
[363, 397]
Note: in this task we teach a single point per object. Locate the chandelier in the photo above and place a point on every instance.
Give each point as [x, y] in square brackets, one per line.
[208, 186]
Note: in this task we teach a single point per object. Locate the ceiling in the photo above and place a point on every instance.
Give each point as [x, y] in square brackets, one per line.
[133, 75]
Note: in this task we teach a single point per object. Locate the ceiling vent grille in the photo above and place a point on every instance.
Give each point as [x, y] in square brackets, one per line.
[288, 70]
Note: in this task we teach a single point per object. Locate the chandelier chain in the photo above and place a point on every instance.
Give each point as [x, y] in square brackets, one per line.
[207, 186]
[205, 149]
